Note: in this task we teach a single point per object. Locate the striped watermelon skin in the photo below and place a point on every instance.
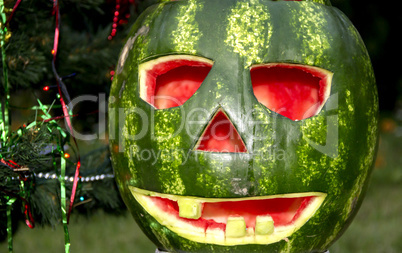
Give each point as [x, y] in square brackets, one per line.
[332, 152]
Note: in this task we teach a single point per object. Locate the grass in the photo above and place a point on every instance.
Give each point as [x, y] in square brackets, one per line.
[377, 228]
[99, 233]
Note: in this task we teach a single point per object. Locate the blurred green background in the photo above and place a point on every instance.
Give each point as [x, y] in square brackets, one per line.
[376, 229]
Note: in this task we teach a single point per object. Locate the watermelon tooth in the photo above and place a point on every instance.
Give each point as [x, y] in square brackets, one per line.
[235, 226]
[189, 208]
[264, 225]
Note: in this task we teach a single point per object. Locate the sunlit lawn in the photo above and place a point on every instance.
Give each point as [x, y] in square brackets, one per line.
[376, 229]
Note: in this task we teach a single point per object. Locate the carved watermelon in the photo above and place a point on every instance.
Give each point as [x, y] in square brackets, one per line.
[243, 126]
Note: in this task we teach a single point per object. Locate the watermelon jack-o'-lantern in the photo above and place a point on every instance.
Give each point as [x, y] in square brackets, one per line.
[243, 125]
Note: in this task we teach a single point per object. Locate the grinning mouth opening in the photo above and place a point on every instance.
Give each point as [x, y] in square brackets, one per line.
[231, 221]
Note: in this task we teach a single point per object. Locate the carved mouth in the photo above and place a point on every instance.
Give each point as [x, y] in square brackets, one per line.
[231, 221]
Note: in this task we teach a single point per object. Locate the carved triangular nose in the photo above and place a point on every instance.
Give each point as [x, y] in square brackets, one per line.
[221, 136]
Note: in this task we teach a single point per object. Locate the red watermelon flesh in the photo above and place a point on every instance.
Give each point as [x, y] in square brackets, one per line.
[171, 83]
[221, 136]
[284, 211]
[294, 91]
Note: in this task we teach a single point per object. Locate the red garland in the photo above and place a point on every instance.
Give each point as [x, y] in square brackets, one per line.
[61, 87]
[12, 12]
[121, 15]
[27, 208]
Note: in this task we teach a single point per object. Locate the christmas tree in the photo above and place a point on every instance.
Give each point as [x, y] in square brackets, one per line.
[57, 60]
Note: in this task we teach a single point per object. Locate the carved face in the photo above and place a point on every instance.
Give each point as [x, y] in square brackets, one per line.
[247, 126]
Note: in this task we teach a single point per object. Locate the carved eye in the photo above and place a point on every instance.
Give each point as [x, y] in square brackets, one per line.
[292, 90]
[170, 81]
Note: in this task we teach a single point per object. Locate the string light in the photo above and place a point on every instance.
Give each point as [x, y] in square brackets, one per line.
[111, 74]
[53, 176]
[48, 87]
[115, 20]
[119, 18]
[66, 155]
